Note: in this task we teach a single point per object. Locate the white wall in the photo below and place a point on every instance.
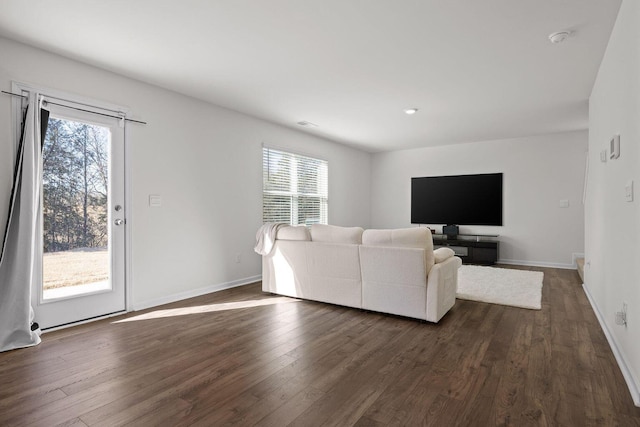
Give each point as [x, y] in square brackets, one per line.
[205, 162]
[538, 173]
[612, 225]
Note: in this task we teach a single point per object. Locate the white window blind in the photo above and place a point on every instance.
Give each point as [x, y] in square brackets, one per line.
[294, 188]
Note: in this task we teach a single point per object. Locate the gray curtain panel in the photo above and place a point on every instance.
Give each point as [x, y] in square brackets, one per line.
[21, 240]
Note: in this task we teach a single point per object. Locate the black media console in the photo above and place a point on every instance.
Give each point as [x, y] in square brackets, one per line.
[471, 248]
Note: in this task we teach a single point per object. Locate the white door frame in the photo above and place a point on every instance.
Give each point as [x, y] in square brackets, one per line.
[99, 107]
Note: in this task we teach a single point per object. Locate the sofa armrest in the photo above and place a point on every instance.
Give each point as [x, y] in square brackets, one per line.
[442, 284]
[443, 254]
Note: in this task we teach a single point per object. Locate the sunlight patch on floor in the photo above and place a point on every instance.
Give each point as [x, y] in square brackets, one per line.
[200, 309]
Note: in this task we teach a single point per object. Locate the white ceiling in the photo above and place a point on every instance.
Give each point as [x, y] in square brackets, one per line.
[476, 69]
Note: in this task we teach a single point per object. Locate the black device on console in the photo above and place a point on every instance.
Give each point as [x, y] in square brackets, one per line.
[450, 230]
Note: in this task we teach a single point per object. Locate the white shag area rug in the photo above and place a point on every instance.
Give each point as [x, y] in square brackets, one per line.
[517, 288]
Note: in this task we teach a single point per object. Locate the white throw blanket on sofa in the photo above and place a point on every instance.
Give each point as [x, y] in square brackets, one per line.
[266, 237]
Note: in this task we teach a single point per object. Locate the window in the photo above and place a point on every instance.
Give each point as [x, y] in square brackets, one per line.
[294, 188]
[75, 183]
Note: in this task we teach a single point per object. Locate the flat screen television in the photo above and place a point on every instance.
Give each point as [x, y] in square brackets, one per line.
[457, 200]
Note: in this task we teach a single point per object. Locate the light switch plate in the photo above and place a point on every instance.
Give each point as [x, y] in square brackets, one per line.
[564, 203]
[628, 191]
[614, 147]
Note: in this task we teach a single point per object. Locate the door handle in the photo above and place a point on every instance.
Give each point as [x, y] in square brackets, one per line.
[118, 221]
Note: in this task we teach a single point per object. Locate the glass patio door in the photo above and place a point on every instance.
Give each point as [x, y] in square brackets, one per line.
[83, 219]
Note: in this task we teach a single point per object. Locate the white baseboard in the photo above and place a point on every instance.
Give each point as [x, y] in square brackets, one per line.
[195, 293]
[626, 373]
[537, 264]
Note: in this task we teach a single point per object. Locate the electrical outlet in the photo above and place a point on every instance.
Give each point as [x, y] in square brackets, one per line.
[238, 258]
[155, 200]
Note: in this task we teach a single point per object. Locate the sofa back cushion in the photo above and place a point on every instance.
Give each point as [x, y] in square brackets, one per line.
[336, 234]
[299, 232]
[415, 237]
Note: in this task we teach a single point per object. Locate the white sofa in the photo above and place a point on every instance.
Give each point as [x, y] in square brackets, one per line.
[390, 271]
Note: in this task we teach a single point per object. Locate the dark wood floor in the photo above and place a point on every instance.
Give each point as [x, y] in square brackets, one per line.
[305, 363]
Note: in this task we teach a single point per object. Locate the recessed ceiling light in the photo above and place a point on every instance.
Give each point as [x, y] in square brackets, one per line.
[307, 124]
[558, 37]
[411, 111]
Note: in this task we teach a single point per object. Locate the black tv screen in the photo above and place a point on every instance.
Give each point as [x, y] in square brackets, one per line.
[457, 200]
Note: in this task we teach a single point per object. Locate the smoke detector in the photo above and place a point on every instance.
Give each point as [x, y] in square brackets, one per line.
[558, 37]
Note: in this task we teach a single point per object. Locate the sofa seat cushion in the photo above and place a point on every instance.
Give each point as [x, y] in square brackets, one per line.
[336, 234]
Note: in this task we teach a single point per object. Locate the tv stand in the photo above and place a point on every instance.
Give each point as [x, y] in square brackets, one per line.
[471, 248]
